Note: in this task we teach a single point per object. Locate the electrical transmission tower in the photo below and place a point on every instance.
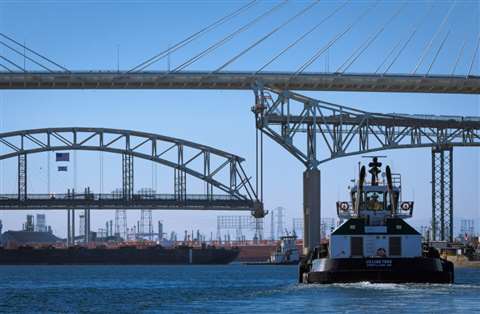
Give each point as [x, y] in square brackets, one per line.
[121, 223]
[259, 229]
[272, 224]
[297, 226]
[237, 223]
[467, 228]
[280, 213]
[146, 226]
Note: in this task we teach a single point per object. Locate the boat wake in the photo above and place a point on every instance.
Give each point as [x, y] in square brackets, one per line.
[365, 285]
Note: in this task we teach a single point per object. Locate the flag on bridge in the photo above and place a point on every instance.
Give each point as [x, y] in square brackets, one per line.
[62, 168]
[62, 157]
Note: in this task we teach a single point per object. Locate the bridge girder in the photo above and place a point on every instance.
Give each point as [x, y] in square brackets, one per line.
[148, 146]
[402, 83]
[284, 116]
[345, 131]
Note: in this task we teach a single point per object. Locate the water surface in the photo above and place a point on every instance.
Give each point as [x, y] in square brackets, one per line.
[219, 289]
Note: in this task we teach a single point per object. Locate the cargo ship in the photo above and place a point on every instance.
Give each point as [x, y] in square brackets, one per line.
[123, 255]
[375, 244]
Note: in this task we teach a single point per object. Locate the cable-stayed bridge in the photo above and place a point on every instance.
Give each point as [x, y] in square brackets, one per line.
[431, 52]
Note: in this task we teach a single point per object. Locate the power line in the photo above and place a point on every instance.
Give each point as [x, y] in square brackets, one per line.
[341, 6]
[227, 38]
[190, 38]
[334, 40]
[276, 29]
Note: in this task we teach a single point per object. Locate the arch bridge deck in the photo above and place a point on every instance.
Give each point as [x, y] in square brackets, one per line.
[113, 201]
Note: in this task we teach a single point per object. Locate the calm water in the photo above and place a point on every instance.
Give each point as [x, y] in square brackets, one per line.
[213, 289]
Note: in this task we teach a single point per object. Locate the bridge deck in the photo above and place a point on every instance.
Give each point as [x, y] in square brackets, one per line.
[113, 201]
[241, 80]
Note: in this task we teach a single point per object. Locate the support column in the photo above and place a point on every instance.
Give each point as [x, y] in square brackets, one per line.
[442, 194]
[22, 177]
[127, 176]
[311, 209]
[180, 178]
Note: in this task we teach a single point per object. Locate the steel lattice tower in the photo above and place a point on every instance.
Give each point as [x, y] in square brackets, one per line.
[280, 213]
[121, 223]
[442, 194]
[146, 226]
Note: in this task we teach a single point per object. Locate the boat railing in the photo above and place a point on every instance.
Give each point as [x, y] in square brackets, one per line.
[346, 210]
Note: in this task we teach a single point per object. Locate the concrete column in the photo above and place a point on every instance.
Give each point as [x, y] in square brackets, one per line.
[311, 209]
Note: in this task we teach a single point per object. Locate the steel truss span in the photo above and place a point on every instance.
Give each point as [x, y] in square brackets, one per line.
[241, 81]
[221, 172]
[116, 201]
[284, 116]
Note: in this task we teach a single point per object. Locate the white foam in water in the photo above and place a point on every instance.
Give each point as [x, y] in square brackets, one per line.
[375, 286]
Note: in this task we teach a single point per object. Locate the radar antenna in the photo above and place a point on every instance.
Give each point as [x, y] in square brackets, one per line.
[374, 168]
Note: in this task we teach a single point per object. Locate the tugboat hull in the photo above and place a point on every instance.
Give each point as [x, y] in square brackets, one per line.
[380, 270]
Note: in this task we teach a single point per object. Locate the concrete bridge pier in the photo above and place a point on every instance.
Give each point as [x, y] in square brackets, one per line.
[311, 209]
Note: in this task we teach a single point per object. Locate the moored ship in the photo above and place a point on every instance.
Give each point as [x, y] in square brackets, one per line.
[124, 255]
[375, 244]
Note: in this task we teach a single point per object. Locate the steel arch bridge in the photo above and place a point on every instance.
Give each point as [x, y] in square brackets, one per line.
[218, 169]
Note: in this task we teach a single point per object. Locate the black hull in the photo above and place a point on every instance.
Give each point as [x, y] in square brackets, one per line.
[121, 256]
[380, 270]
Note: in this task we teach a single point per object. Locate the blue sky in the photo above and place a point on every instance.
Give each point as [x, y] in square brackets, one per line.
[85, 35]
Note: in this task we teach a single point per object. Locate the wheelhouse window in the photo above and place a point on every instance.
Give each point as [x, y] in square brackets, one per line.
[375, 200]
[388, 200]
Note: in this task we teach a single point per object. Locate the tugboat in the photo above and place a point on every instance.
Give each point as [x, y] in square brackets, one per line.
[375, 244]
[286, 253]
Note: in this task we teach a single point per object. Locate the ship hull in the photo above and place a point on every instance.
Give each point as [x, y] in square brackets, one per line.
[379, 270]
[120, 256]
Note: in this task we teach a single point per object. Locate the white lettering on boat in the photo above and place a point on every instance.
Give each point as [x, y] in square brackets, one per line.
[379, 262]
